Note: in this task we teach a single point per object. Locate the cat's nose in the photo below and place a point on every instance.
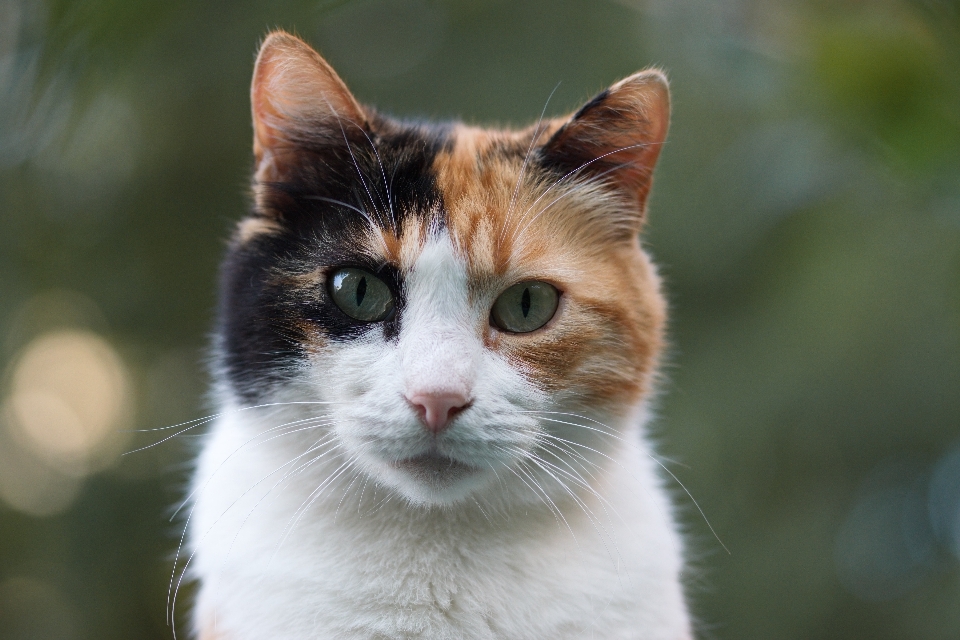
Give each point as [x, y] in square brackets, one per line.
[436, 410]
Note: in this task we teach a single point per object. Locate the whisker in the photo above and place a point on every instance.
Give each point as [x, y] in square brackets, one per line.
[486, 517]
[610, 431]
[254, 438]
[386, 185]
[318, 421]
[497, 475]
[545, 497]
[343, 497]
[224, 413]
[186, 526]
[171, 603]
[662, 466]
[607, 431]
[526, 471]
[374, 228]
[362, 489]
[588, 512]
[519, 233]
[526, 158]
[322, 442]
[308, 502]
[383, 502]
[579, 480]
[532, 490]
[356, 166]
[341, 203]
[202, 421]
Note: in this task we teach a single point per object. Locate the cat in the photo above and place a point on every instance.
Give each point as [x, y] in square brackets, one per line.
[435, 353]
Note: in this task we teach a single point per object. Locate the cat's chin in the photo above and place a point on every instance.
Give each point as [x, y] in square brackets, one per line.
[434, 468]
[434, 479]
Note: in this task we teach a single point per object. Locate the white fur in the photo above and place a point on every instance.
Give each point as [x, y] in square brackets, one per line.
[339, 542]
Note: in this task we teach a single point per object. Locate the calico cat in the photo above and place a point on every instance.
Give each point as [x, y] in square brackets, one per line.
[436, 345]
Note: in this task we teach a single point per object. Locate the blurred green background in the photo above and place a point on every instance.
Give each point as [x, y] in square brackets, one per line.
[806, 216]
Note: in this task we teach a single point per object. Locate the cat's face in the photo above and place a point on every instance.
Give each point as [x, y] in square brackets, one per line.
[466, 300]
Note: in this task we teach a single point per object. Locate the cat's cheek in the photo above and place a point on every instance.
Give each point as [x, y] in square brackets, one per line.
[552, 363]
[351, 369]
[592, 351]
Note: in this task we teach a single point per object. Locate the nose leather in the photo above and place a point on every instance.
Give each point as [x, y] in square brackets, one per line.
[437, 409]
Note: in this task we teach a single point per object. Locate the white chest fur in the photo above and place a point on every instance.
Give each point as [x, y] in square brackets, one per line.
[278, 561]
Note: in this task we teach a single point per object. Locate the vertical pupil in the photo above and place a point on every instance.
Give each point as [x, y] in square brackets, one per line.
[362, 290]
[525, 302]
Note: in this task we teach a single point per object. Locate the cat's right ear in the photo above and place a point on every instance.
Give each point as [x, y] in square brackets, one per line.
[295, 97]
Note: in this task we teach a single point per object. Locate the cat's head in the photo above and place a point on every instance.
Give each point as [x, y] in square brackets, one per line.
[463, 298]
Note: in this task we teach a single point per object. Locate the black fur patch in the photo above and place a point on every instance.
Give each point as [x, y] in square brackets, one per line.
[596, 100]
[273, 287]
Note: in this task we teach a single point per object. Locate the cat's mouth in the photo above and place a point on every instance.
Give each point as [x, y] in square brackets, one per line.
[435, 468]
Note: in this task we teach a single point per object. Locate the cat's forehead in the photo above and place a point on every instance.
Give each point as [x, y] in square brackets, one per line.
[480, 175]
[376, 198]
[501, 209]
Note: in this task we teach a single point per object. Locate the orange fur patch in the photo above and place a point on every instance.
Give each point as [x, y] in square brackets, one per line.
[512, 224]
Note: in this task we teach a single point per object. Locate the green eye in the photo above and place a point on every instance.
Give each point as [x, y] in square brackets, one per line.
[525, 306]
[361, 295]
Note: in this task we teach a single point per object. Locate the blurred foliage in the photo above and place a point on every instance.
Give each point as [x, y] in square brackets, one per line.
[891, 85]
[806, 218]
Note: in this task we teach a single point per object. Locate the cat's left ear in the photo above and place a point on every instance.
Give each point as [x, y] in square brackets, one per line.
[616, 137]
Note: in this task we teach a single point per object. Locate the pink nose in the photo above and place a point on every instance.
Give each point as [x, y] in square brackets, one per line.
[437, 409]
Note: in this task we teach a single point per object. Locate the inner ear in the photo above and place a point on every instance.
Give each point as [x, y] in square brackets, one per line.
[296, 99]
[616, 137]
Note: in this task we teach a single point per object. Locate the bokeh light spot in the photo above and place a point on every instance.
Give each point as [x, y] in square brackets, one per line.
[885, 547]
[944, 500]
[29, 484]
[70, 393]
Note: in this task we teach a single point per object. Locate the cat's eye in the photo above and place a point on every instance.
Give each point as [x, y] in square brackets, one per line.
[525, 307]
[361, 295]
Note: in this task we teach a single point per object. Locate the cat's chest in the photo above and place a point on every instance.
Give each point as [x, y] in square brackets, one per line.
[276, 565]
[358, 587]
[424, 562]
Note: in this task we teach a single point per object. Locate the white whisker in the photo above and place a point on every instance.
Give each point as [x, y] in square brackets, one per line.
[313, 424]
[171, 600]
[660, 464]
[201, 421]
[601, 531]
[526, 158]
[308, 502]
